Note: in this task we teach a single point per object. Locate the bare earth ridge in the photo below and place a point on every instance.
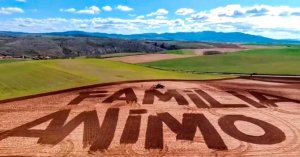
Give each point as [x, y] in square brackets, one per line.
[185, 118]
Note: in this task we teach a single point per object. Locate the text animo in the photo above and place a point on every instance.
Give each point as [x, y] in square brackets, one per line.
[99, 137]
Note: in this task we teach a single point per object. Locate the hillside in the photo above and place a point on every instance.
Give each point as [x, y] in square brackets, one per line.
[32, 77]
[71, 47]
[63, 47]
[261, 61]
[206, 36]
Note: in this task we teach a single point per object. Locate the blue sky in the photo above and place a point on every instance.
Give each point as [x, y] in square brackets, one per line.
[271, 18]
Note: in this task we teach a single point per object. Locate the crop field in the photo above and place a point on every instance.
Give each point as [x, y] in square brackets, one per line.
[149, 78]
[170, 54]
[33, 77]
[263, 61]
[181, 52]
[230, 117]
[148, 58]
[119, 55]
[135, 110]
[3, 61]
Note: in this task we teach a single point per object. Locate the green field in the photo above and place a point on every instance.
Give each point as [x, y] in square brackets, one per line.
[119, 55]
[32, 77]
[180, 52]
[263, 61]
[3, 61]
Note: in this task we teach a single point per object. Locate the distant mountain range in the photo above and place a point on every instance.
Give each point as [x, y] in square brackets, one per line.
[206, 36]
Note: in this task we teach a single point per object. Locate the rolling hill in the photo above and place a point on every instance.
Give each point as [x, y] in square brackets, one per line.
[67, 46]
[282, 61]
[206, 36]
[34, 77]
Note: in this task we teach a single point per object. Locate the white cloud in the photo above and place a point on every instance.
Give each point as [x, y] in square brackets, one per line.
[159, 12]
[270, 21]
[23, 1]
[160, 17]
[88, 10]
[10, 10]
[132, 15]
[107, 25]
[107, 8]
[70, 10]
[124, 8]
[140, 17]
[184, 11]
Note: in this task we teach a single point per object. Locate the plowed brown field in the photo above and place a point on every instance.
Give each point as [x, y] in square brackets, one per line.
[147, 58]
[233, 117]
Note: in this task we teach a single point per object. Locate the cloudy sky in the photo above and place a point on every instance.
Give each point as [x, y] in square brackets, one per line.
[271, 18]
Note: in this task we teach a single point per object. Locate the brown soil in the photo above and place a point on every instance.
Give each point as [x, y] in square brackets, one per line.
[147, 58]
[197, 52]
[220, 50]
[233, 117]
[157, 57]
[260, 47]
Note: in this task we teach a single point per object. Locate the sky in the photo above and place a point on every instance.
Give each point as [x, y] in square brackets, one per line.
[279, 19]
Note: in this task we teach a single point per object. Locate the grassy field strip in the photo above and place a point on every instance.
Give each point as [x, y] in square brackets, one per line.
[262, 61]
[181, 52]
[33, 77]
[120, 55]
[5, 61]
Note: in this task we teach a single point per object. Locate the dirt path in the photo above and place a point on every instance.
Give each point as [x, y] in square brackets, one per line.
[235, 117]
